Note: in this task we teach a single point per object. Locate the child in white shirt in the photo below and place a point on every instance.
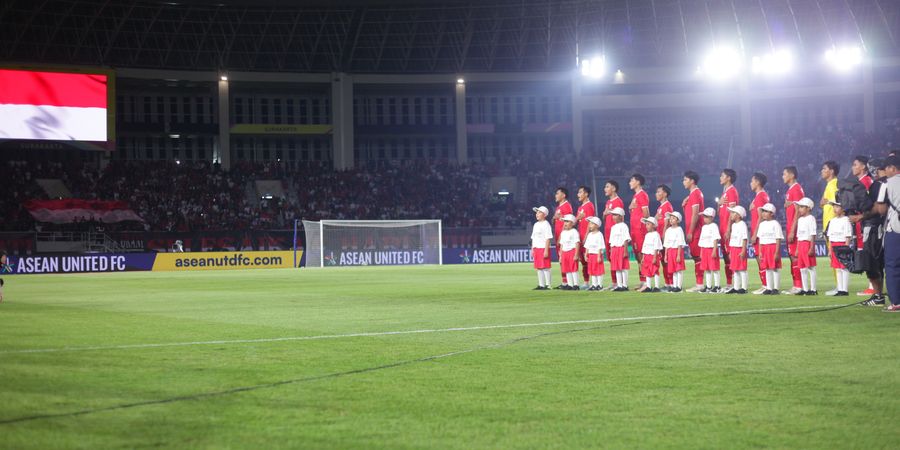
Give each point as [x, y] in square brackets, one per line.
[737, 250]
[769, 235]
[651, 255]
[709, 251]
[840, 233]
[569, 242]
[541, 235]
[674, 245]
[619, 238]
[594, 244]
[806, 248]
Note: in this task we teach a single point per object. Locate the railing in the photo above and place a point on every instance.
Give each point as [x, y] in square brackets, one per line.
[87, 242]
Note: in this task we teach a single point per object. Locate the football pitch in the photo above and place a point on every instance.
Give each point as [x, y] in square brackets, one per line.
[435, 357]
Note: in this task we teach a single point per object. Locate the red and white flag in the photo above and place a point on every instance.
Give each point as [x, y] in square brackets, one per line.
[53, 106]
[74, 210]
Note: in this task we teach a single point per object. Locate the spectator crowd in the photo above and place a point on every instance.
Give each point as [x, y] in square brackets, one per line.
[193, 196]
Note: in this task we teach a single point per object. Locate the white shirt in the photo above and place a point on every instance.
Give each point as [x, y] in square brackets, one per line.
[769, 232]
[618, 235]
[674, 238]
[652, 243]
[806, 228]
[839, 229]
[709, 234]
[739, 233]
[540, 233]
[890, 194]
[593, 242]
[568, 239]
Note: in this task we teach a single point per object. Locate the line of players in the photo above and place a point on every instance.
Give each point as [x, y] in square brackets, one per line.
[584, 237]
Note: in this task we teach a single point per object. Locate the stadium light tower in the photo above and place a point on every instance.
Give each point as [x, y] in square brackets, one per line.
[721, 64]
[776, 63]
[594, 67]
[844, 59]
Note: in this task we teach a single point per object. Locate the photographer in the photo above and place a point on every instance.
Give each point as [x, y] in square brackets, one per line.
[870, 226]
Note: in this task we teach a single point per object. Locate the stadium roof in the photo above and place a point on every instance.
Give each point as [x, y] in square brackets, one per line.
[425, 36]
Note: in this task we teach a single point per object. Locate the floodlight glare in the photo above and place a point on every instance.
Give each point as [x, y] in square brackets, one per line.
[593, 67]
[778, 62]
[721, 63]
[844, 59]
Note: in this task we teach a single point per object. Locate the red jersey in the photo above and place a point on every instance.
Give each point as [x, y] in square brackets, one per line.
[664, 207]
[794, 194]
[608, 220]
[866, 180]
[694, 198]
[641, 200]
[761, 199]
[563, 209]
[588, 209]
[731, 199]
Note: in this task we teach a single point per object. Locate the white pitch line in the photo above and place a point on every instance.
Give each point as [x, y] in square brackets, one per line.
[393, 333]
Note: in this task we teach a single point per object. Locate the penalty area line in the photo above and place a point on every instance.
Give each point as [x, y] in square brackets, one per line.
[423, 331]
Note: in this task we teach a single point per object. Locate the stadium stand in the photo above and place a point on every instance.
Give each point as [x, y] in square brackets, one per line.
[196, 196]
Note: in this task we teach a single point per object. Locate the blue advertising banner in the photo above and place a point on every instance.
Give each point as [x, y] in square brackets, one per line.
[377, 258]
[99, 262]
[490, 255]
[523, 254]
[127, 262]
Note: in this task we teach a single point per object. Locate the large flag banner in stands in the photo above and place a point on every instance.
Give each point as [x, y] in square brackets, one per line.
[53, 106]
[73, 210]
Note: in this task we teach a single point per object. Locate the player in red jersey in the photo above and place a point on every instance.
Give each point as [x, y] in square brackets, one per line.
[729, 199]
[563, 207]
[611, 189]
[758, 185]
[662, 196]
[692, 205]
[793, 195]
[584, 211]
[638, 210]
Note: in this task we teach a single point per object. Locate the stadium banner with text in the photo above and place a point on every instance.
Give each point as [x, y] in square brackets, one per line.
[131, 262]
[94, 262]
[378, 258]
[489, 255]
[224, 260]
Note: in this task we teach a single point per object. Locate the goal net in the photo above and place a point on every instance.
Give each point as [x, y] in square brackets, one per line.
[372, 242]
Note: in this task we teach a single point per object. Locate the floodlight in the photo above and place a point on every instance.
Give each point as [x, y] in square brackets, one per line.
[593, 67]
[845, 58]
[778, 62]
[721, 63]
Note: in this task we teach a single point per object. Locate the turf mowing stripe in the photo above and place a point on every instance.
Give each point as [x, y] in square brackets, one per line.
[437, 330]
[240, 389]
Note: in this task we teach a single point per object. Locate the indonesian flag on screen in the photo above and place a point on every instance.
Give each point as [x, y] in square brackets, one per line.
[52, 106]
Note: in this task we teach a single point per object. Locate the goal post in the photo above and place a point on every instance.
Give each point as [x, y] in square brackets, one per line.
[331, 243]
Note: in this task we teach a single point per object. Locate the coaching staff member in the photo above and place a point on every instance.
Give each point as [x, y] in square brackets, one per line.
[889, 199]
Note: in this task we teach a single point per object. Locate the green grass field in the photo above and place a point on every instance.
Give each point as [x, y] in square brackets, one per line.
[79, 367]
